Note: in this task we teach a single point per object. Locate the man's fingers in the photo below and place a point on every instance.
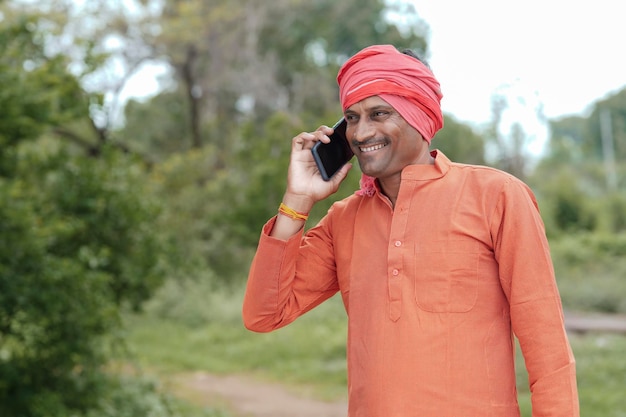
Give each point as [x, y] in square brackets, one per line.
[306, 140]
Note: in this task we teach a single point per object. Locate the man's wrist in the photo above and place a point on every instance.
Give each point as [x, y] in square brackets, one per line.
[299, 204]
[285, 210]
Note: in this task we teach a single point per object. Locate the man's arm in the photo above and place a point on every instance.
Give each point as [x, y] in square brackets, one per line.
[529, 283]
[277, 292]
[288, 278]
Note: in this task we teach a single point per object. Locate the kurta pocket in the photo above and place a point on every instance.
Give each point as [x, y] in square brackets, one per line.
[446, 276]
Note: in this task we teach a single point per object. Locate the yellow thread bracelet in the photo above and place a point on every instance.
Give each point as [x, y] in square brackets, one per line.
[289, 212]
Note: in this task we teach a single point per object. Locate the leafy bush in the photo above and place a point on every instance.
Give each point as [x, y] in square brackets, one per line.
[590, 268]
[77, 246]
[613, 207]
[567, 208]
[196, 302]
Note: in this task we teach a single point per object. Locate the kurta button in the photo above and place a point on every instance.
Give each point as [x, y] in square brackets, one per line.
[398, 243]
[395, 272]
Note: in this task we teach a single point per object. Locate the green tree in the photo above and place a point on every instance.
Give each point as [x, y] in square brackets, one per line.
[37, 93]
[157, 128]
[460, 142]
[578, 139]
[78, 54]
[591, 131]
[573, 174]
[78, 244]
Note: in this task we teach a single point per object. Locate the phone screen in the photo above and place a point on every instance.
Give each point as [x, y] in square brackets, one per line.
[330, 157]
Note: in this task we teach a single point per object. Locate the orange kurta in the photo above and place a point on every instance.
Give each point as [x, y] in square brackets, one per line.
[434, 291]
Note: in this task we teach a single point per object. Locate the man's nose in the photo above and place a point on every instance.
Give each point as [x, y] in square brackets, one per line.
[362, 131]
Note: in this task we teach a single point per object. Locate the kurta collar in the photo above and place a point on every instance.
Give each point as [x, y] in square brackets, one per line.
[370, 186]
[428, 172]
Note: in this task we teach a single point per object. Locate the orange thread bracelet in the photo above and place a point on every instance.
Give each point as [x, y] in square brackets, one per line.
[291, 213]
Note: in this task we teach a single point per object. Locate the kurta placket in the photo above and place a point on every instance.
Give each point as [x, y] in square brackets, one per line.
[398, 258]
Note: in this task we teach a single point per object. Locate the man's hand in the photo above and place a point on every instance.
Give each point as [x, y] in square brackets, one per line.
[304, 182]
[305, 185]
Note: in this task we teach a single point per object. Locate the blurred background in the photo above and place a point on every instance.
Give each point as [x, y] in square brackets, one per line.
[143, 144]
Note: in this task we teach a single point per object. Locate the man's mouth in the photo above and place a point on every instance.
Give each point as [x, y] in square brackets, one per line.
[372, 148]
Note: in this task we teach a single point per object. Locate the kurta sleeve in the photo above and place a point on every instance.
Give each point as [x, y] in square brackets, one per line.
[527, 276]
[288, 278]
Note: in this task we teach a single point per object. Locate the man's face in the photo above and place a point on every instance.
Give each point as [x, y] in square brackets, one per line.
[383, 142]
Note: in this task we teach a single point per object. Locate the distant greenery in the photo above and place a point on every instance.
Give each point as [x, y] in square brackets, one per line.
[590, 269]
[207, 327]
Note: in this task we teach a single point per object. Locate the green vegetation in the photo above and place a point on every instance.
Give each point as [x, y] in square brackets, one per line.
[76, 248]
[590, 270]
[208, 329]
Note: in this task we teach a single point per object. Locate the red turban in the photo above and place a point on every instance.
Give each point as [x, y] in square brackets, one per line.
[404, 82]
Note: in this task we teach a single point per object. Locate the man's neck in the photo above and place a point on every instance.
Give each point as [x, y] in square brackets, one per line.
[390, 186]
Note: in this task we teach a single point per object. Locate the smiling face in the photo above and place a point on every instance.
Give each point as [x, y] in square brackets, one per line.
[383, 142]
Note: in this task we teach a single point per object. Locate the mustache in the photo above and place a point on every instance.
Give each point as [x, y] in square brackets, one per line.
[369, 142]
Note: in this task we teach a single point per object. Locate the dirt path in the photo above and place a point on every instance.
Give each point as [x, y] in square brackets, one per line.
[249, 398]
[583, 323]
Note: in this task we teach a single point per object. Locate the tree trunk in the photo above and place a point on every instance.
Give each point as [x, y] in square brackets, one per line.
[193, 95]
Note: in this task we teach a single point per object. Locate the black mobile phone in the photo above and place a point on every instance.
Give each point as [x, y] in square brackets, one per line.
[330, 157]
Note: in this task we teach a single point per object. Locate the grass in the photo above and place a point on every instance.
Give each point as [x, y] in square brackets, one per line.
[309, 355]
[601, 366]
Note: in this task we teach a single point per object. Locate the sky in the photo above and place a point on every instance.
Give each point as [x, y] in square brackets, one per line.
[562, 54]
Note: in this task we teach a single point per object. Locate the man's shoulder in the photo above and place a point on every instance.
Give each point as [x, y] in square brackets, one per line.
[483, 173]
[474, 171]
[347, 203]
[490, 181]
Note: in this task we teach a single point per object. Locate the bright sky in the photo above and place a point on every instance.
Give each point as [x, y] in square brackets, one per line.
[566, 54]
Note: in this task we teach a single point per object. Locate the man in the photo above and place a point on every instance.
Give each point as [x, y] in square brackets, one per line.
[438, 263]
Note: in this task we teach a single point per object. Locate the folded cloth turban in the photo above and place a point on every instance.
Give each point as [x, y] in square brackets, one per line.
[404, 82]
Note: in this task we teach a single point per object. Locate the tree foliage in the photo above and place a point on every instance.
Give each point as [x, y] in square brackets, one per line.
[78, 244]
[37, 92]
[460, 142]
[572, 177]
